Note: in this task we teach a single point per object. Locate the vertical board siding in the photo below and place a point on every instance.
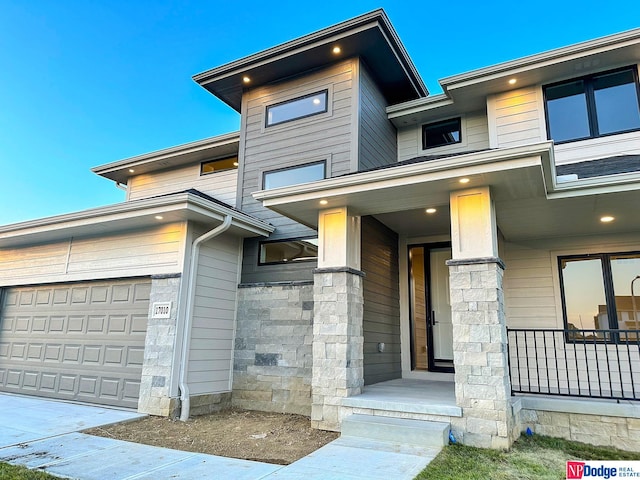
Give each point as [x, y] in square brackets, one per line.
[516, 117]
[377, 135]
[220, 185]
[381, 321]
[475, 136]
[214, 316]
[140, 252]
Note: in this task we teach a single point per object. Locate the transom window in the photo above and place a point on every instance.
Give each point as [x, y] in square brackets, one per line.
[219, 165]
[299, 107]
[601, 291]
[437, 134]
[294, 175]
[288, 251]
[593, 106]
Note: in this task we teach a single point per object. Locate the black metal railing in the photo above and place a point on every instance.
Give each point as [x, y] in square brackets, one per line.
[582, 363]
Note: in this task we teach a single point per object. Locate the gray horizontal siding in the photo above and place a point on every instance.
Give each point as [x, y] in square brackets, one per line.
[381, 323]
[475, 136]
[220, 185]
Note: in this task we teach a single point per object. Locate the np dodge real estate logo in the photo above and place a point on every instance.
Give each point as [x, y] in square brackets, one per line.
[606, 470]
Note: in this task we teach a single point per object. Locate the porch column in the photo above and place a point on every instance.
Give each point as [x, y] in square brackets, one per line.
[483, 388]
[337, 322]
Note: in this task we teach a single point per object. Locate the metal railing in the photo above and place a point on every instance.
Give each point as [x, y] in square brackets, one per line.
[582, 363]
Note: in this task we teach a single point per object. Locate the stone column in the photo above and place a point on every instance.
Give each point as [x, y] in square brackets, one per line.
[159, 347]
[338, 365]
[482, 384]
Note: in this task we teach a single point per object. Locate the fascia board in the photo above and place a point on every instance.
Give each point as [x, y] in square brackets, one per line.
[461, 164]
[177, 150]
[560, 55]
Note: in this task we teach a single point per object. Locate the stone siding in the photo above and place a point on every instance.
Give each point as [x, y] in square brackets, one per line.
[483, 389]
[158, 351]
[338, 362]
[603, 430]
[272, 357]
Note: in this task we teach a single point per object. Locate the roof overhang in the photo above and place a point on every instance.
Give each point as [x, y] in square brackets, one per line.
[370, 37]
[470, 89]
[138, 214]
[530, 201]
[208, 149]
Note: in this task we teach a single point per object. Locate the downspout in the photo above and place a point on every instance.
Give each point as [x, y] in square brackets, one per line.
[191, 295]
[121, 186]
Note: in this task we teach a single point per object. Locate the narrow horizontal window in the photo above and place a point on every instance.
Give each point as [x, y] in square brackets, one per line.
[442, 133]
[593, 106]
[213, 166]
[288, 251]
[294, 175]
[300, 107]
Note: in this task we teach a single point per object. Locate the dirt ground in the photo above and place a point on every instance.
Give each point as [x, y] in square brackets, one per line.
[259, 436]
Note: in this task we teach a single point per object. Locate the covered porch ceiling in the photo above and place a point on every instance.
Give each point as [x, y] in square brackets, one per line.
[529, 202]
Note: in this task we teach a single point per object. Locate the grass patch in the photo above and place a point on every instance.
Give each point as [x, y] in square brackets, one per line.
[531, 458]
[15, 472]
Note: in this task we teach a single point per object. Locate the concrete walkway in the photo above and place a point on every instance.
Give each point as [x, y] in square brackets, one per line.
[43, 434]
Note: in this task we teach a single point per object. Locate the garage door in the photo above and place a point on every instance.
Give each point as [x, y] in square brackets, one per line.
[82, 341]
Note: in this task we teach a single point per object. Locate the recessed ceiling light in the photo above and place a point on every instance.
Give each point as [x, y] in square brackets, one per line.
[324, 202]
[336, 50]
[235, 164]
[607, 219]
[158, 217]
[246, 79]
[431, 210]
[131, 170]
[512, 81]
[464, 180]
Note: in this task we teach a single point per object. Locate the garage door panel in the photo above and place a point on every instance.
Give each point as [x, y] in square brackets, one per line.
[77, 342]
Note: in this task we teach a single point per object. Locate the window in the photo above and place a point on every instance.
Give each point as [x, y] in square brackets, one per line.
[593, 106]
[442, 133]
[294, 175]
[213, 166]
[600, 291]
[288, 251]
[300, 107]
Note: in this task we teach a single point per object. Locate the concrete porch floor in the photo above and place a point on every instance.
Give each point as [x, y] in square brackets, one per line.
[428, 397]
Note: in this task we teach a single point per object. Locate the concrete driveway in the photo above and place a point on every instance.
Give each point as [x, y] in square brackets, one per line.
[44, 434]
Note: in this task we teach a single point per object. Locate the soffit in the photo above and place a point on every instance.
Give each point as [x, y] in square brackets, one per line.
[181, 155]
[133, 215]
[370, 37]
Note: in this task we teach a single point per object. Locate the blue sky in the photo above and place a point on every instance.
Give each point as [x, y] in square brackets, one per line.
[83, 83]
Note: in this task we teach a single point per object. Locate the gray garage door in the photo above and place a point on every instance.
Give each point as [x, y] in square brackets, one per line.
[82, 341]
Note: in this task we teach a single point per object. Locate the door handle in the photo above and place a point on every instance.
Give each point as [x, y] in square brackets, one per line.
[433, 318]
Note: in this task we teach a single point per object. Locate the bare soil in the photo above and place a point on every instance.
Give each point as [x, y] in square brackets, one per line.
[260, 436]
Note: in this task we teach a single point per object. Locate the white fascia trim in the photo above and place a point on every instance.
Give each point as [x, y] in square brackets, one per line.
[456, 163]
[419, 105]
[120, 211]
[555, 56]
[186, 148]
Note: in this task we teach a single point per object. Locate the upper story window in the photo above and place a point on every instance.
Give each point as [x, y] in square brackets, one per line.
[442, 133]
[593, 106]
[294, 175]
[287, 251]
[213, 166]
[299, 107]
[601, 292]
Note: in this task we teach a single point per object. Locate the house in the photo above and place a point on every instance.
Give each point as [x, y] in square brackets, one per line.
[359, 235]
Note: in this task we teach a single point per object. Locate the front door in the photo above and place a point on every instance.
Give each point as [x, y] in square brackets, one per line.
[430, 309]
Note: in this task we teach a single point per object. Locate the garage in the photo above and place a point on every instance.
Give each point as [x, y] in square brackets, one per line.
[81, 341]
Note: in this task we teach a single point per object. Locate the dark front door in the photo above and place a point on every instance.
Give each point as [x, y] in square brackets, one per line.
[430, 308]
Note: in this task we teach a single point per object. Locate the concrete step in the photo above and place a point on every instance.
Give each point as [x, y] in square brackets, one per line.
[396, 430]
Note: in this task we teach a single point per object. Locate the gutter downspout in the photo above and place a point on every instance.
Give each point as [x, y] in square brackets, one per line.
[191, 295]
